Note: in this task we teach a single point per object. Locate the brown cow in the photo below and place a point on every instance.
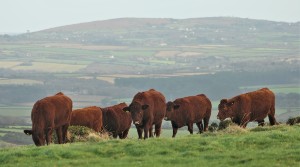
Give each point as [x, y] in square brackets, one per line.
[189, 110]
[116, 121]
[48, 114]
[252, 106]
[90, 117]
[147, 109]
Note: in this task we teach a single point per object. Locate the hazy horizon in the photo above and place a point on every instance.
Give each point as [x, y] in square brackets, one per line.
[20, 16]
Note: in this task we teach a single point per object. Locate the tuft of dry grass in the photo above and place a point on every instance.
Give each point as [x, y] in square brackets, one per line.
[83, 134]
[234, 129]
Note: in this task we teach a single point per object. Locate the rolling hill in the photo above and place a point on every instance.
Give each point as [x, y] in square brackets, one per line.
[164, 31]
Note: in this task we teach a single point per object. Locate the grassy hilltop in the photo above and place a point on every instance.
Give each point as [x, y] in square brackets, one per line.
[261, 146]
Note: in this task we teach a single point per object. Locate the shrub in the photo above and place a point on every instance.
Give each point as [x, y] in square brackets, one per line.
[293, 121]
[213, 127]
[225, 124]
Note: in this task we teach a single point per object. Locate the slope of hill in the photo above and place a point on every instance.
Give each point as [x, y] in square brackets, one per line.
[267, 146]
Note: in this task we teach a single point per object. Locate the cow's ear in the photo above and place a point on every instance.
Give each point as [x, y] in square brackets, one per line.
[145, 106]
[176, 106]
[28, 132]
[223, 101]
[126, 109]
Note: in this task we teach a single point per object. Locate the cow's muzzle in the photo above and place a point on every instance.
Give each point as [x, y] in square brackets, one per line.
[137, 123]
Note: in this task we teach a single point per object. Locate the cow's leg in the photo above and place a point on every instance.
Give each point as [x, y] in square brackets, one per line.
[115, 135]
[271, 116]
[190, 128]
[125, 133]
[245, 120]
[175, 128]
[200, 126]
[151, 131]
[158, 129]
[174, 131]
[146, 131]
[261, 122]
[139, 131]
[59, 135]
[49, 135]
[120, 135]
[65, 132]
[206, 122]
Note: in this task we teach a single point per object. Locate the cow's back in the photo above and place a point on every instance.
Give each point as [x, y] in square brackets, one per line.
[260, 101]
[53, 109]
[90, 117]
[193, 108]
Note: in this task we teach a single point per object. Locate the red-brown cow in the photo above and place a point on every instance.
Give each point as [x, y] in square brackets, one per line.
[189, 110]
[48, 114]
[90, 117]
[116, 121]
[252, 106]
[147, 109]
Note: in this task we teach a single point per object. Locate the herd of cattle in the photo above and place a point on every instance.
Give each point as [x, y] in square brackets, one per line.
[146, 109]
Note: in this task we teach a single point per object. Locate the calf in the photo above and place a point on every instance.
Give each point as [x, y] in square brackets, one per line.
[251, 106]
[116, 121]
[189, 110]
[90, 117]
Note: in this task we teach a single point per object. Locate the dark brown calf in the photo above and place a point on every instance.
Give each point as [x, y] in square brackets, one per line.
[116, 121]
[252, 106]
[189, 110]
[90, 117]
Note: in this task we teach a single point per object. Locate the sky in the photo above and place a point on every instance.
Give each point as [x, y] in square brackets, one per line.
[19, 16]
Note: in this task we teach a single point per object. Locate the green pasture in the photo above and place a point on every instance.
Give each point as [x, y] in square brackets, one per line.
[263, 146]
[165, 133]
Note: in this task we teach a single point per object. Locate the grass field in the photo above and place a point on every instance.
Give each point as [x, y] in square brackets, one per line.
[267, 146]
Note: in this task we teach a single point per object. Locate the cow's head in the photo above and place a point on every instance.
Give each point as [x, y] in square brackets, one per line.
[137, 112]
[226, 109]
[38, 136]
[171, 107]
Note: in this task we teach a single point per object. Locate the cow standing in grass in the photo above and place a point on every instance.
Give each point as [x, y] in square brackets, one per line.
[116, 121]
[189, 110]
[90, 117]
[147, 109]
[48, 114]
[252, 106]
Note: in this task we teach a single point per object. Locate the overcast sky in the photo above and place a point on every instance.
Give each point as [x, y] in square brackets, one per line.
[18, 16]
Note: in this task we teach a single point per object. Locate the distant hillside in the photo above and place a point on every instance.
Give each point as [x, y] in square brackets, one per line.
[161, 32]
